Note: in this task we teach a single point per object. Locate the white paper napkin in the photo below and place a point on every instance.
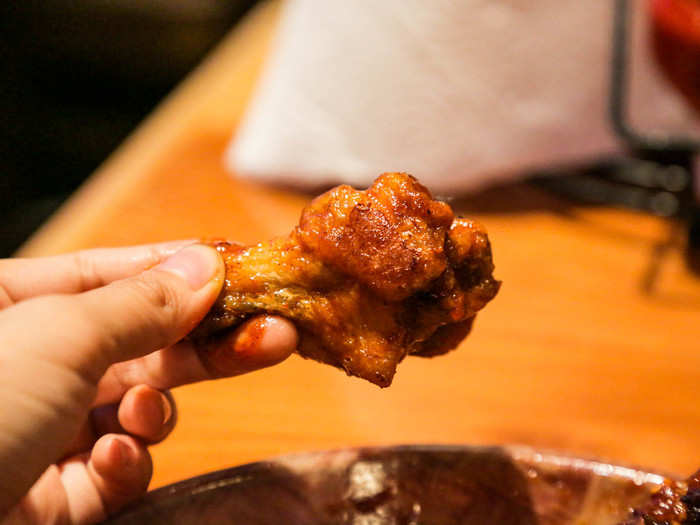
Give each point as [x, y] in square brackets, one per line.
[459, 93]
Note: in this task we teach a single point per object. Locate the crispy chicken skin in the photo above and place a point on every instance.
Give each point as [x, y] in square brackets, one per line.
[674, 503]
[367, 277]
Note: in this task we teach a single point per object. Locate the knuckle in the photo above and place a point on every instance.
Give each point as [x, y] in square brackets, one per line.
[5, 297]
[153, 257]
[86, 271]
[156, 293]
[158, 302]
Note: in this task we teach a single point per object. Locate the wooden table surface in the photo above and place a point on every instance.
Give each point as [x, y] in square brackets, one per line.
[591, 346]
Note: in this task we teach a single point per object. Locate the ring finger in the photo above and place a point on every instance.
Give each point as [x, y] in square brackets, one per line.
[143, 411]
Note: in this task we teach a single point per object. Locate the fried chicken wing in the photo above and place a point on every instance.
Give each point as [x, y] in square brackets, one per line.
[367, 277]
[674, 503]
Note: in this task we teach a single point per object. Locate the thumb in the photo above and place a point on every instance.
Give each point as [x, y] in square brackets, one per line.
[136, 316]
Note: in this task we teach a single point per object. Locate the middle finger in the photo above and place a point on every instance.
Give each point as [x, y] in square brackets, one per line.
[260, 342]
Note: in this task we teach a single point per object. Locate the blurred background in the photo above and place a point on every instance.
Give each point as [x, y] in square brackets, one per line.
[76, 76]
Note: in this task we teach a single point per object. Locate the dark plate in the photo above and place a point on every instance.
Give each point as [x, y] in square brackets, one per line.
[436, 485]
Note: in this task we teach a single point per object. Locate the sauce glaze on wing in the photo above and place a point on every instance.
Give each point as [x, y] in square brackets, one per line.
[368, 277]
[674, 503]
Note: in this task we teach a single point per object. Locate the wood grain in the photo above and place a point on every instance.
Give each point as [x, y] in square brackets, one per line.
[591, 346]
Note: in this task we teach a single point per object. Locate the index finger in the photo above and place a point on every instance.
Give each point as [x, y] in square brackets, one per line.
[258, 343]
[23, 278]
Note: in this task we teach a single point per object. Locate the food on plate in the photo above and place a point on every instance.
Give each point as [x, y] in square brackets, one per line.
[674, 503]
[367, 277]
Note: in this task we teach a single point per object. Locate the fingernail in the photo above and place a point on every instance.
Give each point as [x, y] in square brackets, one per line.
[121, 452]
[250, 338]
[260, 342]
[196, 264]
[167, 409]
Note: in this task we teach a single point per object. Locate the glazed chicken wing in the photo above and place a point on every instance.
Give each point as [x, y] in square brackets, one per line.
[367, 277]
[674, 503]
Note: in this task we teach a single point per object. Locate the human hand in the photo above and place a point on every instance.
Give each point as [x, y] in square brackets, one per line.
[89, 344]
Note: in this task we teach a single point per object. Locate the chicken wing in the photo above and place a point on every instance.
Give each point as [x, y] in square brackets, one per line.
[674, 503]
[367, 277]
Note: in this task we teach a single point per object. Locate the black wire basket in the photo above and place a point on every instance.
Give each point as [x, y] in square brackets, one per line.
[656, 173]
